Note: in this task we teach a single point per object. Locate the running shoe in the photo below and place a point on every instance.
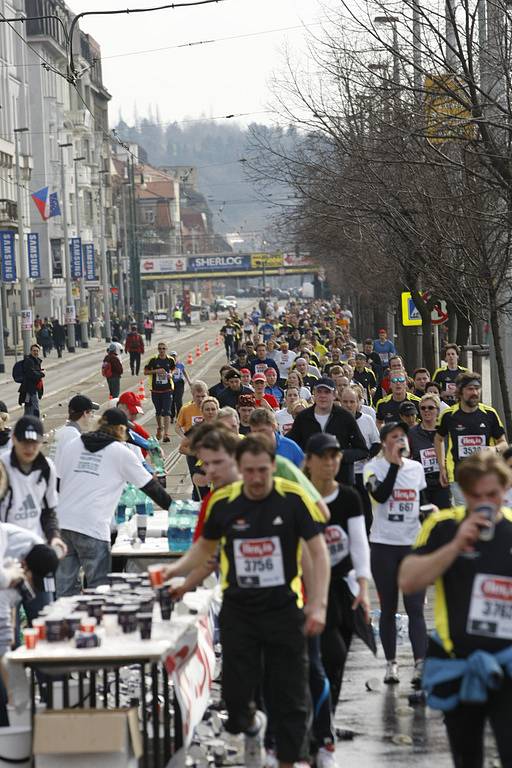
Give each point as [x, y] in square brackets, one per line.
[271, 760]
[158, 433]
[166, 439]
[391, 676]
[417, 674]
[254, 755]
[325, 757]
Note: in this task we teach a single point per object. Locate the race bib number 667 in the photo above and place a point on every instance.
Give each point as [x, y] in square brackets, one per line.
[259, 562]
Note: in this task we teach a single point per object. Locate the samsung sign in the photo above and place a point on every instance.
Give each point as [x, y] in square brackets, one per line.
[219, 263]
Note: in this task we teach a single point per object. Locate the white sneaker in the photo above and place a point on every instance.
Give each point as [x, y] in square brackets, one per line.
[326, 758]
[253, 750]
[391, 676]
[271, 760]
[417, 674]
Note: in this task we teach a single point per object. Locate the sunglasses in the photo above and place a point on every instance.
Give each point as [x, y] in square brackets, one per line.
[397, 379]
[428, 408]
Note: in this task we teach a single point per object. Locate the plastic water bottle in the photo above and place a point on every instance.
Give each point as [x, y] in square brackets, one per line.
[157, 461]
[124, 506]
[179, 534]
[139, 501]
[150, 509]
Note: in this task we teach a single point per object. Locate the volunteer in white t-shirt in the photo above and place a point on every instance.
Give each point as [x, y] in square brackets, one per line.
[98, 465]
[395, 484]
[80, 415]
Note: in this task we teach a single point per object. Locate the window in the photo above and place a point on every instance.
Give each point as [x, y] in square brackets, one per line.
[149, 216]
[56, 252]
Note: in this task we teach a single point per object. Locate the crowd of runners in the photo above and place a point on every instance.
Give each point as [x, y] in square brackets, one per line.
[323, 464]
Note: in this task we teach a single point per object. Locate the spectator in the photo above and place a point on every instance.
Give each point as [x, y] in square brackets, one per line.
[112, 370]
[31, 388]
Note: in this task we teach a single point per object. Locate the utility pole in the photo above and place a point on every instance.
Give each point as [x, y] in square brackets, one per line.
[70, 305]
[125, 260]
[134, 255]
[84, 309]
[26, 310]
[104, 267]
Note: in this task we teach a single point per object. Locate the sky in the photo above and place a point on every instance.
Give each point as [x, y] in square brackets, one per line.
[221, 78]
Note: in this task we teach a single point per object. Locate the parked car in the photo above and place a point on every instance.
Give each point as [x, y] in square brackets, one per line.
[232, 302]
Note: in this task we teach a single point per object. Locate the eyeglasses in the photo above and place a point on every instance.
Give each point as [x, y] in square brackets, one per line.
[398, 380]
[428, 407]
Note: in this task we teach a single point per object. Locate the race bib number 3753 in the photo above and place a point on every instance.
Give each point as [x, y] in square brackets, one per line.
[490, 610]
[259, 562]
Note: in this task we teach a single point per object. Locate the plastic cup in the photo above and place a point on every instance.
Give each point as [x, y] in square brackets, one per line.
[95, 608]
[145, 621]
[30, 637]
[142, 527]
[54, 630]
[156, 575]
[111, 622]
[88, 624]
[40, 625]
[166, 603]
[73, 623]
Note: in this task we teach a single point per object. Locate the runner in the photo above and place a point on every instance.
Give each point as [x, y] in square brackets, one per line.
[259, 382]
[271, 385]
[365, 377]
[262, 620]
[384, 347]
[302, 367]
[179, 377]
[160, 368]
[421, 440]
[284, 417]
[447, 377]
[433, 388]
[134, 345]
[388, 407]
[468, 426]
[295, 380]
[284, 359]
[466, 552]
[148, 329]
[421, 377]
[228, 333]
[262, 361]
[263, 421]
[234, 388]
[349, 554]
[395, 484]
[246, 405]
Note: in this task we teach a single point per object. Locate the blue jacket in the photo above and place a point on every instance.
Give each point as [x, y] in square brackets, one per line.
[289, 449]
[480, 673]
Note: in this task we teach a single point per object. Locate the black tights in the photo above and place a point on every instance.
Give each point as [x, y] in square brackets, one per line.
[385, 561]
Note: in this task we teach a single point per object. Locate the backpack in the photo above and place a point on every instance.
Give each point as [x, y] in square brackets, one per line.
[18, 372]
[106, 369]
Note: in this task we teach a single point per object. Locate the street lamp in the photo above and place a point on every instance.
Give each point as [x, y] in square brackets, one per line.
[26, 311]
[70, 306]
[104, 266]
[393, 20]
[84, 327]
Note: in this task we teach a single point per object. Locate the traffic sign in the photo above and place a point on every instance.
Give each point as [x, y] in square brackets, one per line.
[411, 316]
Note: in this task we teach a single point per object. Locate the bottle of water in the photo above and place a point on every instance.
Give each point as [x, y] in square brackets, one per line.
[139, 501]
[124, 506]
[178, 531]
[157, 460]
[150, 508]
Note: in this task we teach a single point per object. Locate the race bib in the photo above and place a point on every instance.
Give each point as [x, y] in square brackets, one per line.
[162, 378]
[451, 387]
[429, 460]
[401, 505]
[469, 444]
[229, 331]
[197, 419]
[285, 428]
[260, 367]
[337, 543]
[259, 562]
[490, 610]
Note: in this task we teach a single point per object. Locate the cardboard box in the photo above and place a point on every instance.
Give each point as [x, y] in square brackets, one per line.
[71, 738]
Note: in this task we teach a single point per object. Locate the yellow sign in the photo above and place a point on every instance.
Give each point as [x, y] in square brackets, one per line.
[267, 260]
[410, 314]
[448, 118]
[75, 291]
[83, 314]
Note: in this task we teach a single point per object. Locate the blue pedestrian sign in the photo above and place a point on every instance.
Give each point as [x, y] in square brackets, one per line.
[410, 314]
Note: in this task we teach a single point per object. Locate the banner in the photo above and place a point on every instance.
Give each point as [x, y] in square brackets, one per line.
[34, 260]
[8, 255]
[267, 260]
[89, 261]
[163, 264]
[75, 252]
[219, 263]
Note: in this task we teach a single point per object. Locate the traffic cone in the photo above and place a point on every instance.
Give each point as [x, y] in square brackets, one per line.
[190, 359]
[206, 347]
[198, 351]
[141, 392]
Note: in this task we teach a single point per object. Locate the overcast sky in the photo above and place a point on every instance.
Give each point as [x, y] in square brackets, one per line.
[225, 77]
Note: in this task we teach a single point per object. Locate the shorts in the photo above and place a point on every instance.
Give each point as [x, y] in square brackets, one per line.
[162, 402]
[271, 640]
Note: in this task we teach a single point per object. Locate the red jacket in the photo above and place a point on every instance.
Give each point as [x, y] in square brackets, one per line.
[134, 343]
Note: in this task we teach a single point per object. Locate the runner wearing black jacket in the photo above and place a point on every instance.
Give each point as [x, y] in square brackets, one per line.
[324, 416]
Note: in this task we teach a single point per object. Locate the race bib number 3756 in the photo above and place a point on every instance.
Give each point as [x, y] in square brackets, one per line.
[490, 610]
[259, 562]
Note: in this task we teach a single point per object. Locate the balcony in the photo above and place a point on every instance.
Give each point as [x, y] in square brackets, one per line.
[79, 120]
[8, 212]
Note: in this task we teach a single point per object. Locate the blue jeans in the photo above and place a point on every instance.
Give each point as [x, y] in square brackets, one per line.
[93, 555]
[32, 405]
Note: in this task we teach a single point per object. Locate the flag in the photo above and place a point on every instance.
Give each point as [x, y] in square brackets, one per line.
[47, 205]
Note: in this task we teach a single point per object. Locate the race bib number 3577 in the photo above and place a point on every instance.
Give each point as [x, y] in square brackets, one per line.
[259, 562]
[490, 610]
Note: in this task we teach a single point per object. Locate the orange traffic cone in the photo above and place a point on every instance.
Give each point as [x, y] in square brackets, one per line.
[198, 351]
[141, 392]
[190, 359]
[206, 347]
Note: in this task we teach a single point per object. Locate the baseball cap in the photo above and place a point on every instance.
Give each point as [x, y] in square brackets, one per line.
[132, 402]
[326, 382]
[41, 561]
[322, 442]
[387, 428]
[3, 407]
[407, 408]
[173, 353]
[259, 377]
[244, 370]
[82, 403]
[112, 348]
[29, 428]
[115, 416]
[232, 375]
